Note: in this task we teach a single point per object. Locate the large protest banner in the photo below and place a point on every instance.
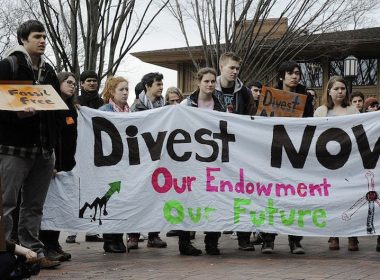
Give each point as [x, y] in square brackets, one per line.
[179, 167]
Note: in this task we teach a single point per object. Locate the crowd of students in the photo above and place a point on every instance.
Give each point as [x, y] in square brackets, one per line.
[37, 144]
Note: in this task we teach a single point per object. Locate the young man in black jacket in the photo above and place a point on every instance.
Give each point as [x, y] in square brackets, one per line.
[27, 139]
[89, 95]
[289, 74]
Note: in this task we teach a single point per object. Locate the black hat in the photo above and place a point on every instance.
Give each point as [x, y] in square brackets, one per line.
[88, 74]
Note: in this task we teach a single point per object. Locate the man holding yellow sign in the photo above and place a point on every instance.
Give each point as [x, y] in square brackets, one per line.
[28, 131]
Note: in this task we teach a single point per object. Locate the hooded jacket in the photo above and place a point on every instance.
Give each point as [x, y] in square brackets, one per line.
[241, 99]
[192, 101]
[25, 132]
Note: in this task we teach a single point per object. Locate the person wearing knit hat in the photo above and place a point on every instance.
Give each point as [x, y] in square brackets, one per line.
[89, 82]
[371, 104]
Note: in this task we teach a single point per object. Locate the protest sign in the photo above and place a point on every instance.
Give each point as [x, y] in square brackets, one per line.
[39, 97]
[280, 103]
[186, 168]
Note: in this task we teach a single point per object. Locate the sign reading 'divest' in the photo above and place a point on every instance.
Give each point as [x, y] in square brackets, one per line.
[280, 103]
[39, 97]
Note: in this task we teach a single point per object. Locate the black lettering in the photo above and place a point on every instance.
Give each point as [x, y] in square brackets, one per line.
[281, 139]
[324, 157]
[215, 148]
[24, 100]
[133, 145]
[101, 124]
[369, 158]
[171, 141]
[225, 137]
[268, 94]
[154, 146]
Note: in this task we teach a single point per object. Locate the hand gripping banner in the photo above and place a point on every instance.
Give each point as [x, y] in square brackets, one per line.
[186, 168]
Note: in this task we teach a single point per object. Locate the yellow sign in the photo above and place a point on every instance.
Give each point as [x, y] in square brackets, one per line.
[280, 103]
[39, 97]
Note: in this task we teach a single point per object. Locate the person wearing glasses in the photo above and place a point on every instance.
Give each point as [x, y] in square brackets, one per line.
[89, 82]
[64, 151]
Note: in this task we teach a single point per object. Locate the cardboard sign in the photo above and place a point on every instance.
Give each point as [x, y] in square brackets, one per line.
[280, 103]
[40, 97]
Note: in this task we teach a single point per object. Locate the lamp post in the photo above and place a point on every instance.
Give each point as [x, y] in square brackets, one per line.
[350, 71]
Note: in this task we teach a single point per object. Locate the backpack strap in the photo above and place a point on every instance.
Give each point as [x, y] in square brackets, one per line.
[12, 60]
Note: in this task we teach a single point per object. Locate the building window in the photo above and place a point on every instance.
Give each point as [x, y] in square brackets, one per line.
[367, 71]
[312, 74]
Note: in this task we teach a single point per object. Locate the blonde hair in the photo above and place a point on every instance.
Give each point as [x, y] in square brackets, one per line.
[173, 90]
[110, 87]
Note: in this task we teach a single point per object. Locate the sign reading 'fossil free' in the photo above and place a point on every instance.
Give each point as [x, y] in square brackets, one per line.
[39, 97]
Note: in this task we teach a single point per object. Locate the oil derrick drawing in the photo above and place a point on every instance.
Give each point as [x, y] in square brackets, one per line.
[100, 203]
[370, 197]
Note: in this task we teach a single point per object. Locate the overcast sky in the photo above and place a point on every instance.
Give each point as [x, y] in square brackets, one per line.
[165, 34]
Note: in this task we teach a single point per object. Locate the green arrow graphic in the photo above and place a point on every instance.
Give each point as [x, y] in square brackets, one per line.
[114, 187]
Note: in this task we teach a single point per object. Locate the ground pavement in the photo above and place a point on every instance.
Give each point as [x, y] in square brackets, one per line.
[90, 262]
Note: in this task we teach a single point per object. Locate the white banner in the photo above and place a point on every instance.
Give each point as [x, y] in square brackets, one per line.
[185, 168]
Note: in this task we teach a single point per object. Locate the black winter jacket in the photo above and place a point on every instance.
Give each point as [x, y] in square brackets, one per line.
[67, 141]
[25, 132]
[90, 99]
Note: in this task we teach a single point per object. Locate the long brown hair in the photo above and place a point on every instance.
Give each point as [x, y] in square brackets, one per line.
[327, 98]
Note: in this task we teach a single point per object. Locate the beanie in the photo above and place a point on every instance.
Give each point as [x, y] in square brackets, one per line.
[369, 101]
[88, 74]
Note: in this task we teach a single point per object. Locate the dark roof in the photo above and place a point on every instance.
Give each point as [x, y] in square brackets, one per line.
[364, 43]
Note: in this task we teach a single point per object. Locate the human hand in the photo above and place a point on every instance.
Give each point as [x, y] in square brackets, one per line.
[28, 112]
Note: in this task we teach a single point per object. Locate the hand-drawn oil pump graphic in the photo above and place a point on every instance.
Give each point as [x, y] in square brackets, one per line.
[371, 197]
[100, 202]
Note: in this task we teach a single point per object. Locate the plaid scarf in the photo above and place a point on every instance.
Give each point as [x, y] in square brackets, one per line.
[116, 108]
[157, 103]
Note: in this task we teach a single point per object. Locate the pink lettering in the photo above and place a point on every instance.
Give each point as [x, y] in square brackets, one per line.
[168, 180]
[209, 187]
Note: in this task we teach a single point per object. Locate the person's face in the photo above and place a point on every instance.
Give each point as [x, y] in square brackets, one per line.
[68, 87]
[292, 78]
[120, 96]
[173, 98]
[357, 102]
[156, 88]
[337, 92]
[35, 44]
[90, 84]
[230, 70]
[207, 84]
[373, 107]
[255, 92]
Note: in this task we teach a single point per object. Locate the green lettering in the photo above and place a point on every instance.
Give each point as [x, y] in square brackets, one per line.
[287, 221]
[319, 214]
[271, 211]
[197, 217]
[168, 207]
[238, 210]
[260, 220]
[208, 210]
[301, 215]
